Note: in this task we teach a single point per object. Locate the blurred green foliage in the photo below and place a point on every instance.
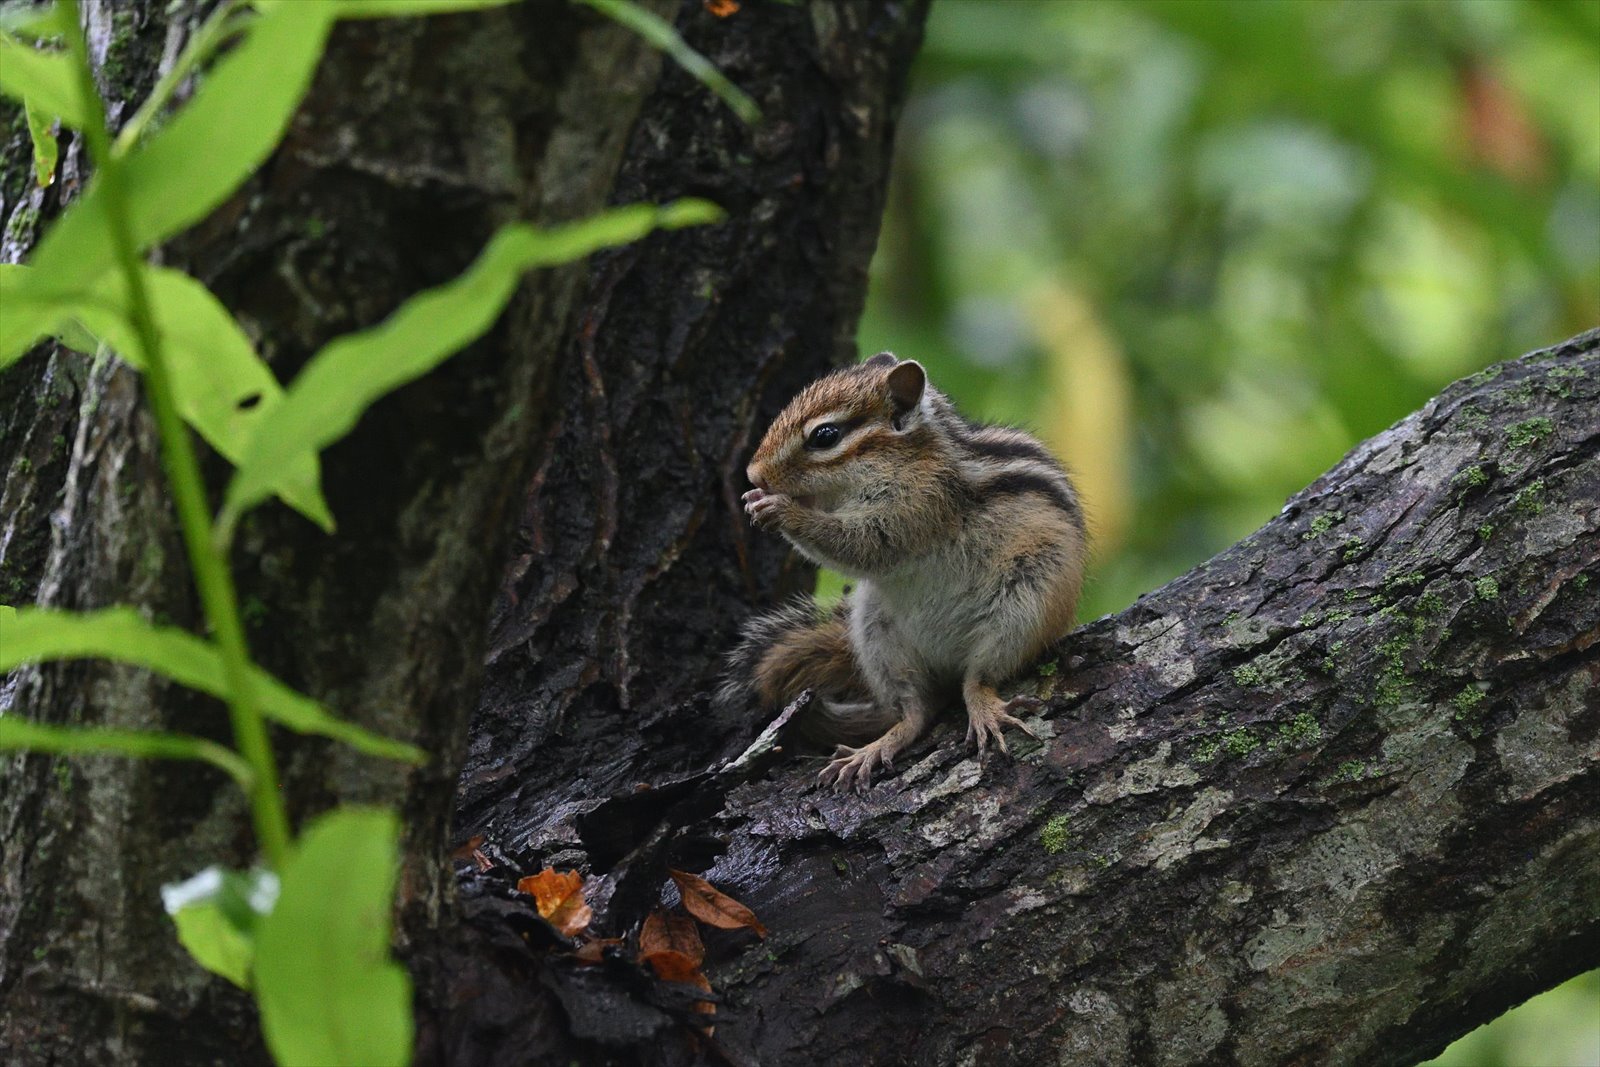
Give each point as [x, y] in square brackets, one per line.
[1203, 248]
[1559, 1028]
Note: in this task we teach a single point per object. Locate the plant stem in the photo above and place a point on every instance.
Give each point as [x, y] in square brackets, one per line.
[211, 574]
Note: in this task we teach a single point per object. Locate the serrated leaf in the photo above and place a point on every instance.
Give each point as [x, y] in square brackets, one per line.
[231, 125]
[328, 990]
[661, 34]
[35, 635]
[18, 734]
[712, 906]
[44, 79]
[46, 151]
[217, 912]
[349, 373]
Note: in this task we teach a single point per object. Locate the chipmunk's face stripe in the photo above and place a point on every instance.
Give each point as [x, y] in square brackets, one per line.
[858, 444]
[838, 420]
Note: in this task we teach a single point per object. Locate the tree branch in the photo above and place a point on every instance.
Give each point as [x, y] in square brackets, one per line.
[1328, 798]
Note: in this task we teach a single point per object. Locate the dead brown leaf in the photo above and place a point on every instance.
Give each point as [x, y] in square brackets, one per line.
[559, 897]
[664, 932]
[671, 966]
[712, 906]
[465, 850]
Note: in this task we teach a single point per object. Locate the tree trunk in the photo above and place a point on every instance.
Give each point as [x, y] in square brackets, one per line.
[419, 137]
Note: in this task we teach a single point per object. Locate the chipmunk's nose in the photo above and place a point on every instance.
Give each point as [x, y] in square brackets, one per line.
[753, 472]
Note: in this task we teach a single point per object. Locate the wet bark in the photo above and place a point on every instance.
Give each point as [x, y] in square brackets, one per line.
[418, 138]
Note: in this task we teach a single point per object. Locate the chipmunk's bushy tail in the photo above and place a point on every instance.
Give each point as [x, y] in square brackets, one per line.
[797, 647]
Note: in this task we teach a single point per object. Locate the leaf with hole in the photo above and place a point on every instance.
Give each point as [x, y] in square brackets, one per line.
[34, 635]
[221, 387]
[350, 373]
[328, 989]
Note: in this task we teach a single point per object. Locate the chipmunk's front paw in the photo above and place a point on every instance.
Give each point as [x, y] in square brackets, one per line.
[987, 720]
[851, 768]
[766, 510]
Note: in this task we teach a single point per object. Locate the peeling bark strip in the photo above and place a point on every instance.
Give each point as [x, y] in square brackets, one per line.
[1331, 797]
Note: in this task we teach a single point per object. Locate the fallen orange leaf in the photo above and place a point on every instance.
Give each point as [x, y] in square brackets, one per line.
[559, 897]
[722, 8]
[712, 906]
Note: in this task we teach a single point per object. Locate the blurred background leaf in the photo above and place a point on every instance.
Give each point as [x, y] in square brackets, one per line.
[1203, 248]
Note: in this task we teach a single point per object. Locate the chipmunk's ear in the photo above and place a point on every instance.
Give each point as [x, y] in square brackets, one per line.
[882, 359]
[906, 382]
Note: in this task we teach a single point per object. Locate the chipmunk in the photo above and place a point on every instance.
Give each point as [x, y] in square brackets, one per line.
[967, 543]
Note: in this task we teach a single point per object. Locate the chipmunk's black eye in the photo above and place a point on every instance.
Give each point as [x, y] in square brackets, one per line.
[825, 436]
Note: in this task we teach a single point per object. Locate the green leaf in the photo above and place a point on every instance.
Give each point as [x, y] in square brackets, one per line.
[37, 634]
[221, 387]
[20, 734]
[328, 990]
[45, 149]
[660, 33]
[217, 912]
[26, 319]
[21, 18]
[343, 379]
[43, 79]
[207, 150]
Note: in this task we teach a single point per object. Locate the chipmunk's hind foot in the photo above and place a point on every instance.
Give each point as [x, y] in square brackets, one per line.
[988, 714]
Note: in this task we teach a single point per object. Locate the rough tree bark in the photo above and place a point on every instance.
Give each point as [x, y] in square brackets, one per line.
[418, 138]
[1329, 798]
